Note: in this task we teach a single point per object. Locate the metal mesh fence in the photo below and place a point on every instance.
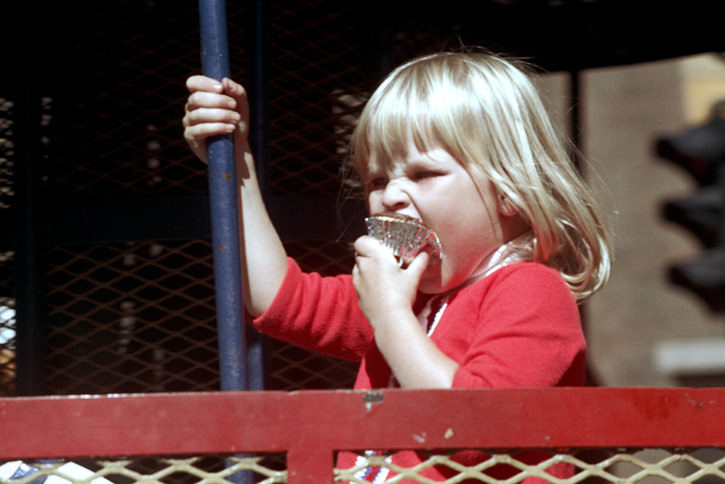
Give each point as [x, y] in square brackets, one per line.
[116, 126]
[7, 345]
[314, 62]
[652, 465]
[582, 465]
[7, 301]
[265, 469]
[137, 315]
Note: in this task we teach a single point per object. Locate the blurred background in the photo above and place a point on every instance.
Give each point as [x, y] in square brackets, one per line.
[106, 281]
[650, 327]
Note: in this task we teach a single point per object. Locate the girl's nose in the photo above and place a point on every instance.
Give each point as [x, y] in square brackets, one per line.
[394, 197]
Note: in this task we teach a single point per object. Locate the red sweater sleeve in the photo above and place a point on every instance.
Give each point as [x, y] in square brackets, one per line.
[527, 332]
[318, 313]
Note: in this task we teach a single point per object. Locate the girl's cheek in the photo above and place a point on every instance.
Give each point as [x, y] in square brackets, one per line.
[373, 204]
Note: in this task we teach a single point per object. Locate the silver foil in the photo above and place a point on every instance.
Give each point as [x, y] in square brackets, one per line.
[405, 237]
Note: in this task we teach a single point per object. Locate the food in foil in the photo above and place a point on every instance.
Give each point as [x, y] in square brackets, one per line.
[404, 236]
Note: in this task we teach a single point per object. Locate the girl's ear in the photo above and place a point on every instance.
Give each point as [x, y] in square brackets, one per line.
[505, 206]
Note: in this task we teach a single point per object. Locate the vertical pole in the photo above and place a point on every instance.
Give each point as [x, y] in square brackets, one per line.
[28, 274]
[28, 299]
[257, 88]
[224, 215]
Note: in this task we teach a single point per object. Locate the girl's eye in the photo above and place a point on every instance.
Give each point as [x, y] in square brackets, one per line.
[377, 183]
[423, 175]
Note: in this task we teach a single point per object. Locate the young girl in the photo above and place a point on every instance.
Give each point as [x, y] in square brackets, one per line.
[460, 142]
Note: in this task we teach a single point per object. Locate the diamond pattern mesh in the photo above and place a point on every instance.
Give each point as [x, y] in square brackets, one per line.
[312, 63]
[7, 302]
[117, 129]
[703, 466]
[6, 153]
[7, 345]
[132, 317]
[584, 465]
[138, 315]
[264, 469]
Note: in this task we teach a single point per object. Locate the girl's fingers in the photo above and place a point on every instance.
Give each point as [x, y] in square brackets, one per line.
[206, 130]
[203, 83]
[239, 94]
[210, 115]
[368, 246]
[205, 99]
[418, 265]
[232, 88]
[213, 108]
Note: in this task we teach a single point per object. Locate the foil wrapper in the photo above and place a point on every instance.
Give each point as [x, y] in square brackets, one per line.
[405, 237]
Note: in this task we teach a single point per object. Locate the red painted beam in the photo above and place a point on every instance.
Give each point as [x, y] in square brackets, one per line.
[234, 422]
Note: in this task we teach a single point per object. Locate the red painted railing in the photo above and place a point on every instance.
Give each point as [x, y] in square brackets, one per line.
[309, 426]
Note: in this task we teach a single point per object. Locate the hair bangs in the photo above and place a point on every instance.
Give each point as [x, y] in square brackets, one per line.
[400, 112]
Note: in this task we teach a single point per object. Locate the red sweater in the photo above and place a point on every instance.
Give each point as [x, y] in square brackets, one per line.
[517, 327]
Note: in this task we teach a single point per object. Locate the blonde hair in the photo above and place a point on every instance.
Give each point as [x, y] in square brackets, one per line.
[485, 111]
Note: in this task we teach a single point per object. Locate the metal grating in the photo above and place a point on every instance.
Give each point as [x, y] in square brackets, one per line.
[7, 344]
[584, 466]
[7, 301]
[138, 315]
[117, 125]
[264, 469]
[132, 317]
[7, 153]
[314, 69]
[651, 466]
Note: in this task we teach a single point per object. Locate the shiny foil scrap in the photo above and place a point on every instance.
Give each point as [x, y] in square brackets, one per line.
[405, 237]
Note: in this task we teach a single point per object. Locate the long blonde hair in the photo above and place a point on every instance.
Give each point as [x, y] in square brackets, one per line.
[486, 112]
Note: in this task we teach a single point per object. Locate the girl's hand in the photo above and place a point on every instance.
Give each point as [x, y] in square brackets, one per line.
[215, 108]
[383, 288]
[387, 293]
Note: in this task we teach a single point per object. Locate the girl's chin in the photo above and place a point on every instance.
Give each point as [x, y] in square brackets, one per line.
[430, 282]
[436, 280]
[429, 288]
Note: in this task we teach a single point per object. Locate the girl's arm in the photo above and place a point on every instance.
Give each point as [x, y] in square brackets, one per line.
[386, 294]
[214, 109]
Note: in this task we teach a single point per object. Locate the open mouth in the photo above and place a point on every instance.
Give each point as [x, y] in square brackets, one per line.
[405, 236]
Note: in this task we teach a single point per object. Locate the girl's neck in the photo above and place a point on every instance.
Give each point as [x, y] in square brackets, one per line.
[515, 250]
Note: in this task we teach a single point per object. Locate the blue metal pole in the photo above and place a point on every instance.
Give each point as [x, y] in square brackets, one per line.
[224, 213]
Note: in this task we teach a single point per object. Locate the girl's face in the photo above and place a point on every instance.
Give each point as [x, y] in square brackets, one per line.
[433, 188]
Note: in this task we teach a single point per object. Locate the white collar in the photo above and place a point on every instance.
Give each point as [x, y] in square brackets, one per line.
[515, 250]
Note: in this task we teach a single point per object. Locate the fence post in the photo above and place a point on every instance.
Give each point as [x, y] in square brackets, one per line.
[310, 466]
